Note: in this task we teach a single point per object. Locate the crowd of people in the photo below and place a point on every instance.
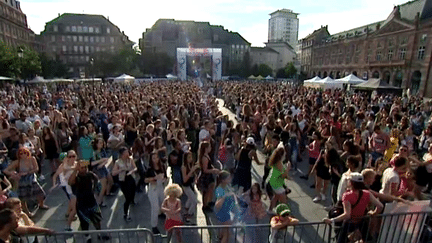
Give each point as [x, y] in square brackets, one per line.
[169, 138]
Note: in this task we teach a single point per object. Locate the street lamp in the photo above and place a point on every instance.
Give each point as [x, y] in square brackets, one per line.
[92, 69]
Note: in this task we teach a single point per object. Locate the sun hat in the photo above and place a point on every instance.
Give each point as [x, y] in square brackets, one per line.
[250, 141]
[282, 209]
[356, 177]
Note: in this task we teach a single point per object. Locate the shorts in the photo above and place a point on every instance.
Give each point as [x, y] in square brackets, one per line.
[312, 160]
[279, 190]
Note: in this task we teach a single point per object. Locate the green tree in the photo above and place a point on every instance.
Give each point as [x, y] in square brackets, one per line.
[8, 61]
[281, 73]
[52, 69]
[158, 64]
[254, 70]
[24, 67]
[30, 64]
[290, 70]
[264, 70]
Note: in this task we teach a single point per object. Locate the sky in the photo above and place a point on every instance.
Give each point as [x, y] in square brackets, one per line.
[247, 17]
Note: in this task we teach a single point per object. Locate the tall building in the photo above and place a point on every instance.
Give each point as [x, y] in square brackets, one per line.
[13, 25]
[167, 35]
[74, 39]
[283, 27]
[397, 49]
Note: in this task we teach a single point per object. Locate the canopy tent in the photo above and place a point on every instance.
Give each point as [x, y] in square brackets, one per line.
[375, 83]
[5, 78]
[89, 80]
[329, 83]
[269, 77]
[59, 80]
[251, 77]
[170, 76]
[37, 80]
[259, 77]
[351, 79]
[313, 82]
[124, 78]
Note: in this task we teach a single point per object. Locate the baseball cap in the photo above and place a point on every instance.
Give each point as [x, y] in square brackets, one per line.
[356, 177]
[282, 209]
[250, 141]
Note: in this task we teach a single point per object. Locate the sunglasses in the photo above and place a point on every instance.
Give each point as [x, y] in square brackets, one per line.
[72, 156]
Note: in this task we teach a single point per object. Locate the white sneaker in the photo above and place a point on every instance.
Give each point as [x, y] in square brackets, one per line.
[316, 199]
[323, 197]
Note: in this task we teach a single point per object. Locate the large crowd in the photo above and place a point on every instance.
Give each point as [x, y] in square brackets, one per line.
[92, 139]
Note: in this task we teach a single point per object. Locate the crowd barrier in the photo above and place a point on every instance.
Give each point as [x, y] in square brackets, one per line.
[301, 233]
[397, 227]
[112, 236]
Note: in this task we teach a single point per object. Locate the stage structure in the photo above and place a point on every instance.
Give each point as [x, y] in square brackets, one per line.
[214, 53]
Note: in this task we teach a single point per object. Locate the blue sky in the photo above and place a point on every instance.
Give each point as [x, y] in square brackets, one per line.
[248, 17]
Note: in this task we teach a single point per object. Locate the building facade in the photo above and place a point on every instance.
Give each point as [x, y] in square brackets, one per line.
[13, 25]
[397, 50]
[167, 35]
[275, 54]
[76, 39]
[283, 27]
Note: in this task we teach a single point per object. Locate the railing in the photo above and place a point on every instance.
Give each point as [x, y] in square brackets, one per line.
[413, 227]
[301, 233]
[114, 236]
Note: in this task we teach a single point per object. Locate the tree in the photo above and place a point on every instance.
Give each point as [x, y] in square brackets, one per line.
[281, 73]
[254, 70]
[8, 63]
[51, 68]
[11, 65]
[290, 70]
[264, 70]
[245, 69]
[30, 64]
[158, 64]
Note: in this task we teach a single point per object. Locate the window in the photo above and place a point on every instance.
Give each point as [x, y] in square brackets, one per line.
[63, 38]
[82, 58]
[67, 28]
[112, 39]
[378, 56]
[69, 38]
[74, 38]
[92, 49]
[75, 49]
[55, 28]
[87, 58]
[81, 48]
[404, 40]
[54, 49]
[97, 49]
[97, 29]
[390, 43]
[80, 38]
[103, 39]
[79, 29]
[112, 48]
[90, 29]
[97, 39]
[379, 44]
[53, 38]
[423, 38]
[74, 29]
[87, 50]
[421, 52]
[108, 30]
[91, 39]
[85, 29]
[402, 53]
[86, 39]
[64, 48]
[390, 55]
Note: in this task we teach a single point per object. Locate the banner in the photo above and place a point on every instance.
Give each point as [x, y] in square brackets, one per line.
[405, 228]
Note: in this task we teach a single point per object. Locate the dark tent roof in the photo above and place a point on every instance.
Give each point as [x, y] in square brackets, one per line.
[375, 83]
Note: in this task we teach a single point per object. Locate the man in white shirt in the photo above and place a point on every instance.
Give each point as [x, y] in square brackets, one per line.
[391, 179]
[204, 134]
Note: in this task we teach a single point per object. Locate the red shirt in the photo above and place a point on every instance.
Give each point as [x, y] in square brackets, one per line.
[360, 209]
[314, 150]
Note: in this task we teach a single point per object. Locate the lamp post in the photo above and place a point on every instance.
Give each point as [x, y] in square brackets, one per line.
[20, 56]
[92, 69]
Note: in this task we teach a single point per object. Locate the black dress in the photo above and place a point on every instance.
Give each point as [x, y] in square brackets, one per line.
[243, 175]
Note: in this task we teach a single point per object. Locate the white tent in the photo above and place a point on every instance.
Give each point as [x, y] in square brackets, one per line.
[5, 78]
[313, 82]
[171, 77]
[37, 80]
[329, 83]
[269, 77]
[351, 79]
[124, 78]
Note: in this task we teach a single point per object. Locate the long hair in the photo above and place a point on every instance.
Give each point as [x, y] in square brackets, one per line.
[332, 157]
[201, 151]
[81, 131]
[276, 156]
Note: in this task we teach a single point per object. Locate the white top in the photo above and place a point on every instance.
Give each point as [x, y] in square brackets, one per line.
[390, 176]
[343, 185]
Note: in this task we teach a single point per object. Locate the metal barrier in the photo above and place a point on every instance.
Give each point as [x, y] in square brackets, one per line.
[412, 227]
[114, 236]
[301, 233]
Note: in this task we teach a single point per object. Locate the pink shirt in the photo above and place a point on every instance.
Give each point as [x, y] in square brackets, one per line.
[360, 209]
